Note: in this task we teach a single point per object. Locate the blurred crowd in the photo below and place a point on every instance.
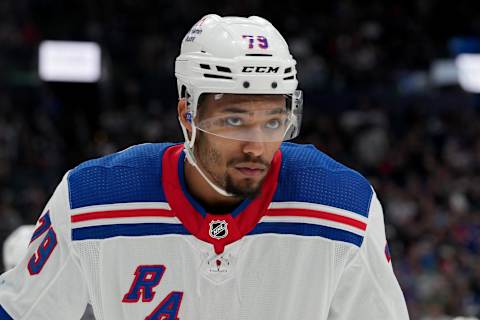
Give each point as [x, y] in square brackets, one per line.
[425, 168]
[367, 104]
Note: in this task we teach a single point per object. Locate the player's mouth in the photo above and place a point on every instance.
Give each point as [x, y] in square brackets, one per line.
[251, 169]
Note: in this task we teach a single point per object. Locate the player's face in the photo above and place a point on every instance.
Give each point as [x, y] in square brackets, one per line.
[240, 166]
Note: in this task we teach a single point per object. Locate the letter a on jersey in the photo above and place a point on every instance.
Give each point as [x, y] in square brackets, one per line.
[147, 277]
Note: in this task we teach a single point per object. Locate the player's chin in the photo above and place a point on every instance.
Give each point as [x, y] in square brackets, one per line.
[250, 185]
[244, 187]
[247, 184]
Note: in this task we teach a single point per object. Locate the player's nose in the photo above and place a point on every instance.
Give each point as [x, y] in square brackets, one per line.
[254, 148]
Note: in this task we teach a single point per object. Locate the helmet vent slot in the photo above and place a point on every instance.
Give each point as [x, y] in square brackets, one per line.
[258, 55]
[223, 69]
[289, 78]
[288, 70]
[216, 76]
[204, 66]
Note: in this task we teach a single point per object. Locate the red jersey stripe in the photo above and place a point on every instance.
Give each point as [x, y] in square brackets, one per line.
[316, 214]
[129, 213]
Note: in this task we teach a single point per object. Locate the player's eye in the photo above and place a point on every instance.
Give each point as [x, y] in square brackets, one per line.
[273, 124]
[234, 121]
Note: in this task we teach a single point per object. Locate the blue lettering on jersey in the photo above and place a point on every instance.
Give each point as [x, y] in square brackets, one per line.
[45, 249]
[168, 308]
[147, 277]
[4, 315]
[43, 224]
[387, 253]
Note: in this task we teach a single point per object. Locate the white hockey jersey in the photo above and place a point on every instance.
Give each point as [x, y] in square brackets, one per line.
[123, 234]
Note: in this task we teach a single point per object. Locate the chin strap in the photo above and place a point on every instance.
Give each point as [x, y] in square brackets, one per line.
[188, 149]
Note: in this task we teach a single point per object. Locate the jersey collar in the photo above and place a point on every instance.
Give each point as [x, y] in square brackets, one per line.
[219, 230]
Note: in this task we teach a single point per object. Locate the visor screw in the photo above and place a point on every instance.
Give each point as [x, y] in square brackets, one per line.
[246, 84]
[274, 85]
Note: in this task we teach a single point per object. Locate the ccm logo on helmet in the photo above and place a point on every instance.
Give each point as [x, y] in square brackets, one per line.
[259, 69]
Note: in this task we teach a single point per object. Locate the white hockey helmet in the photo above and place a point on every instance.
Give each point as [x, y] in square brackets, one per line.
[236, 55]
[239, 56]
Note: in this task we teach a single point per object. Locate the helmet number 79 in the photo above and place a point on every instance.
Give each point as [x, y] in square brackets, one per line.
[259, 41]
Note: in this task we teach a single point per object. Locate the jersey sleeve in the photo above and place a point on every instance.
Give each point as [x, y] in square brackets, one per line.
[368, 288]
[48, 283]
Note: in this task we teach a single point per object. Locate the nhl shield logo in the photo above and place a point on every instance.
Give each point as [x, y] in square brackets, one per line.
[218, 229]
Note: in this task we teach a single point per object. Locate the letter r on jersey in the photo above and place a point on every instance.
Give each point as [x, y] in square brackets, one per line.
[147, 277]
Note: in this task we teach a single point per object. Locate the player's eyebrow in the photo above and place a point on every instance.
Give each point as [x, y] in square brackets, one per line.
[277, 110]
[240, 110]
[233, 110]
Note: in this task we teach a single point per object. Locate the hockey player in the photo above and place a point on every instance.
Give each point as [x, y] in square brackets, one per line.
[232, 224]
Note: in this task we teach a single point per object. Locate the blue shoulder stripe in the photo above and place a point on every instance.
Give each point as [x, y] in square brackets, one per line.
[131, 175]
[309, 175]
[305, 229]
[129, 230]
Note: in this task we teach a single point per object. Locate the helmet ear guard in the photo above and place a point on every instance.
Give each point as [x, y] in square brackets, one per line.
[184, 94]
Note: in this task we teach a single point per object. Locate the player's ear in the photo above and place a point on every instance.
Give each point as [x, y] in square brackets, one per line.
[184, 115]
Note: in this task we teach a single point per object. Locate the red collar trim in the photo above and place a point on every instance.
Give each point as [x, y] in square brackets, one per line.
[229, 228]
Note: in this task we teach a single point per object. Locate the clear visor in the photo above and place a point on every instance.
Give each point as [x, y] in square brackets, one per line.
[257, 118]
